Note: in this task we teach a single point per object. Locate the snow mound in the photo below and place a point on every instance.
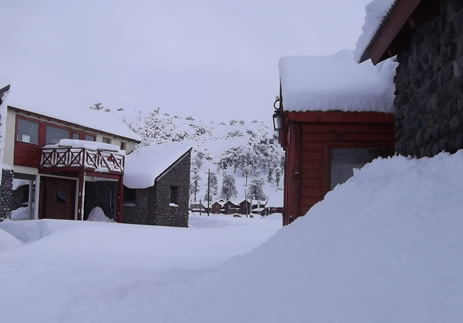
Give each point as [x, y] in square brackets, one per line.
[97, 215]
[22, 213]
[336, 82]
[383, 247]
[8, 241]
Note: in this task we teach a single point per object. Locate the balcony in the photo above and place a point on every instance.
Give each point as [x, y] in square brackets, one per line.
[82, 155]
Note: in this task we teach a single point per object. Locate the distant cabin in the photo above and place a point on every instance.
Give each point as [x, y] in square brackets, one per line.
[336, 116]
[216, 207]
[230, 208]
[157, 185]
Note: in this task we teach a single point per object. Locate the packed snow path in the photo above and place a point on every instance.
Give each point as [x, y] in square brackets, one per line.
[71, 271]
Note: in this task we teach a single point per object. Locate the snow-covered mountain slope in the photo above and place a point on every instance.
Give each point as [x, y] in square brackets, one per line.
[247, 151]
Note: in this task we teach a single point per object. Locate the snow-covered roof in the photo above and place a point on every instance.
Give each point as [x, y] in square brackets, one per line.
[96, 120]
[145, 164]
[375, 16]
[336, 82]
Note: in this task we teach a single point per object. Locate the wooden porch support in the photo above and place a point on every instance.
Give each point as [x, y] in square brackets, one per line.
[81, 196]
[37, 197]
[120, 198]
[292, 177]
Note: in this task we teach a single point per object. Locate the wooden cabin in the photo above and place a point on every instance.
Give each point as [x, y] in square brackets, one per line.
[217, 207]
[230, 208]
[335, 116]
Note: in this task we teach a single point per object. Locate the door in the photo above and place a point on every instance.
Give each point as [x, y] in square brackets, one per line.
[57, 198]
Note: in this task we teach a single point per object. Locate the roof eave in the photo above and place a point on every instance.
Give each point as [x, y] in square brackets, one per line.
[379, 47]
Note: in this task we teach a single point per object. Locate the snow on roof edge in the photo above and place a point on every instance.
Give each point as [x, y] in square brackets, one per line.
[147, 164]
[336, 83]
[376, 14]
[123, 134]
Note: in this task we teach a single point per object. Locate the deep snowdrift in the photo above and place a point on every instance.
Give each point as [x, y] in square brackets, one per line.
[384, 247]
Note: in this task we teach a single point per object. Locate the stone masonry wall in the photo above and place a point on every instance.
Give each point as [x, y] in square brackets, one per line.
[6, 194]
[429, 86]
[139, 212]
[178, 176]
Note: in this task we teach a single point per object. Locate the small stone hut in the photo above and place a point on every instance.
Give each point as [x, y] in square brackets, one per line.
[157, 185]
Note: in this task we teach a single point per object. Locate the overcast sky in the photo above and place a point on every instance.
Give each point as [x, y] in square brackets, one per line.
[209, 59]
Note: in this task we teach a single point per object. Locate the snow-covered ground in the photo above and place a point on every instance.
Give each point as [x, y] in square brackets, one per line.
[383, 247]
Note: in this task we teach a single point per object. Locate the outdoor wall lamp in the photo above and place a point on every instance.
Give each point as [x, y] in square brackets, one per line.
[277, 118]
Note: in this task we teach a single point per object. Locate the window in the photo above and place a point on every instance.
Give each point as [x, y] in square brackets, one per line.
[75, 136]
[130, 196]
[89, 138]
[106, 140]
[54, 135]
[123, 145]
[343, 162]
[28, 131]
[174, 195]
[61, 197]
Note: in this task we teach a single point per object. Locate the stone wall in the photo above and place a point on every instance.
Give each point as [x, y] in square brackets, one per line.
[178, 176]
[152, 205]
[6, 194]
[141, 211]
[429, 86]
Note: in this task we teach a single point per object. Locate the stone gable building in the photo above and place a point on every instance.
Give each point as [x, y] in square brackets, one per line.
[427, 37]
[157, 185]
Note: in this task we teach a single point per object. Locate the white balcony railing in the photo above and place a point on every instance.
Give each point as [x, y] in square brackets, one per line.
[101, 161]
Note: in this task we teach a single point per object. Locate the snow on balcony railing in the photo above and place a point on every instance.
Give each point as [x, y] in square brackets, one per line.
[83, 154]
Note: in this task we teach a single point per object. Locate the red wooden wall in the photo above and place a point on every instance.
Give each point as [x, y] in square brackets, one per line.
[27, 154]
[310, 137]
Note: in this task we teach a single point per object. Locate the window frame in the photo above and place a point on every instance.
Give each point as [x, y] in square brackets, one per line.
[129, 196]
[51, 125]
[18, 118]
[347, 145]
[173, 194]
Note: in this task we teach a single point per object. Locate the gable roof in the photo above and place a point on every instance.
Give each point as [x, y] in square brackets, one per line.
[336, 83]
[87, 118]
[376, 13]
[145, 165]
[3, 90]
[387, 25]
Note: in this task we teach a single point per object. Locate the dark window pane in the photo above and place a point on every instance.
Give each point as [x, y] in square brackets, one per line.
[123, 145]
[61, 197]
[89, 138]
[106, 140]
[28, 131]
[174, 194]
[130, 195]
[343, 162]
[75, 136]
[55, 134]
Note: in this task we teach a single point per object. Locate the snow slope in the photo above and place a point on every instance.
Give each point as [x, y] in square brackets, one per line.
[383, 247]
[234, 147]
